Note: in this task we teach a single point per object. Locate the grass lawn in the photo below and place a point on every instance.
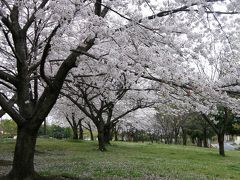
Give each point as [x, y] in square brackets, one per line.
[128, 160]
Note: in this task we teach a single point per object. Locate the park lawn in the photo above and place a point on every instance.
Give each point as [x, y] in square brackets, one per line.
[129, 160]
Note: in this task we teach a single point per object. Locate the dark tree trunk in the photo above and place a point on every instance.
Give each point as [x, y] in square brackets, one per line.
[161, 138]
[199, 142]
[122, 136]
[23, 167]
[165, 140]
[75, 133]
[142, 136]
[176, 132]
[170, 139]
[205, 143]
[107, 134]
[101, 144]
[90, 131]
[80, 131]
[184, 137]
[193, 140]
[91, 134]
[157, 138]
[221, 144]
[176, 139]
[115, 134]
[151, 136]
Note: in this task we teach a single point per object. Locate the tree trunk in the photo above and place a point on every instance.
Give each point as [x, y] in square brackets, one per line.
[115, 134]
[107, 134]
[80, 132]
[75, 133]
[184, 137]
[142, 136]
[176, 132]
[151, 137]
[122, 136]
[101, 144]
[221, 144]
[170, 139]
[199, 142]
[205, 143]
[165, 139]
[91, 134]
[23, 167]
[175, 139]
[193, 140]
[156, 138]
[90, 131]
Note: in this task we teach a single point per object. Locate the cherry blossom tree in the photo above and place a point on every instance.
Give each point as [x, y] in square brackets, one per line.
[213, 84]
[65, 111]
[37, 36]
[29, 30]
[141, 120]
[105, 101]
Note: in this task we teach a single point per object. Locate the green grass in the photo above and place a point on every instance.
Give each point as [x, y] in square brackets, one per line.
[129, 160]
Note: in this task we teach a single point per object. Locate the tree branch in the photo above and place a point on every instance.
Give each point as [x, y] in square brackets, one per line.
[98, 6]
[77, 104]
[32, 18]
[45, 54]
[6, 106]
[210, 123]
[11, 102]
[183, 86]
[8, 78]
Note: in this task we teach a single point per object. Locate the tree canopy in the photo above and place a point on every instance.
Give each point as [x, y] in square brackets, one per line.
[110, 57]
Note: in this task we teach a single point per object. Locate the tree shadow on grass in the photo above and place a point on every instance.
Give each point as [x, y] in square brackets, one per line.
[6, 163]
[50, 178]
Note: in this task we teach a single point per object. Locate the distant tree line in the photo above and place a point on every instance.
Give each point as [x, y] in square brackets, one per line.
[8, 129]
[55, 131]
[192, 128]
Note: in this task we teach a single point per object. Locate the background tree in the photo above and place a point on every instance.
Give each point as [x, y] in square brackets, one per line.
[198, 129]
[8, 127]
[219, 124]
[102, 111]
[76, 126]
[66, 111]
[88, 125]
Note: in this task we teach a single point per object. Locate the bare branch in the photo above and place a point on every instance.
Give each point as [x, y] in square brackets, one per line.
[45, 54]
[85, 53]
[9, 109]
[8, 78]
[32, 18]
[210, 123]
[98, 7]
